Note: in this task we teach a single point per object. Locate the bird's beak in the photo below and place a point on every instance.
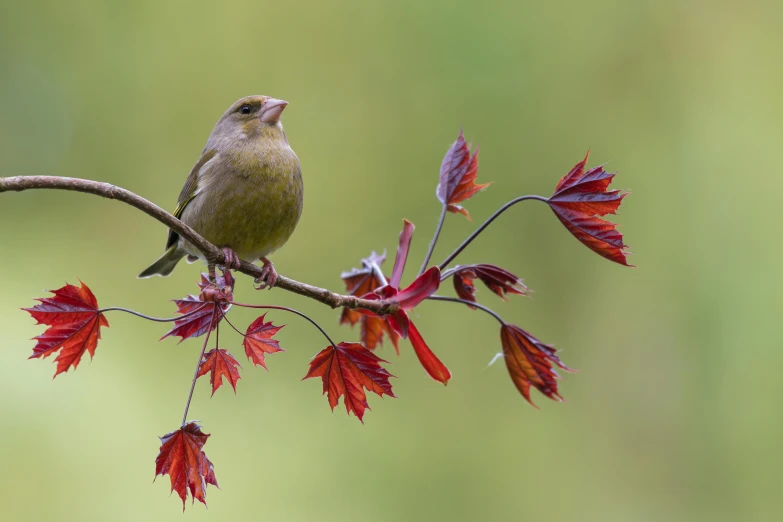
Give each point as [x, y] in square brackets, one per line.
[272, 110]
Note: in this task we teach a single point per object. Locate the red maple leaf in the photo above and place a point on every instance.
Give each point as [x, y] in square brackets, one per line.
[74, 322]
[579, 198]
[258, 341]
[220, 364]
[421, 288]
[529, 362]
[181, 458]
[200, 317]
[497, 279]
[200, 313]
[361, 281]
[347, 370]
[458, 176]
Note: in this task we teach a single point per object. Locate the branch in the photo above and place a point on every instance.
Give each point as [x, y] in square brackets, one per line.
[212, 253]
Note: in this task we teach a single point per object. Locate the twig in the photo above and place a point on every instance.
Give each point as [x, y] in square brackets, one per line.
[286, 309]
[469, 303]
[484, 225]
[213, 255]
[149, 317]
[198, 364]
[434, 239]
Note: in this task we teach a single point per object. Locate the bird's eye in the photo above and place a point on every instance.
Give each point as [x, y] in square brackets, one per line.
[245, 109]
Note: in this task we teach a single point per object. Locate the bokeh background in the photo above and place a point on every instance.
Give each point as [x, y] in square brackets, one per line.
[675, 413]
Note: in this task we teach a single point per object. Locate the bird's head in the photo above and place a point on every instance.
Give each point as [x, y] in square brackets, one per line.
[252, 115]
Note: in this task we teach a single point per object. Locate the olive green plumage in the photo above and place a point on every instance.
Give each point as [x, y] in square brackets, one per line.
[245, 192]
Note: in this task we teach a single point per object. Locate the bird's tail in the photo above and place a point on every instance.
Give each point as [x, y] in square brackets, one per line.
[165, 264]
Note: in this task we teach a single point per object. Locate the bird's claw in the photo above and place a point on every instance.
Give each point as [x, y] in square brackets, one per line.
[268, 276]
[231, 260]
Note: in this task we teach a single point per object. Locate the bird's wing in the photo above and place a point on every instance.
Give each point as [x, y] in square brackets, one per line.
[189, 191]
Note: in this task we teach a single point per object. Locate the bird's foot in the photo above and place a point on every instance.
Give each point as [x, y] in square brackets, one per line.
[231, 259]
[268, 276]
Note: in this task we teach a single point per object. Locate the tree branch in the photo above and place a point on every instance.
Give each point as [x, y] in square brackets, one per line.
[212, 253]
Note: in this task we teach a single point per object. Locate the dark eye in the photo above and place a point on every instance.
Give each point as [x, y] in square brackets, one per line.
[245, 109]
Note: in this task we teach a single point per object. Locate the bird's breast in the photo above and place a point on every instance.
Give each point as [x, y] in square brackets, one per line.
[252, 202]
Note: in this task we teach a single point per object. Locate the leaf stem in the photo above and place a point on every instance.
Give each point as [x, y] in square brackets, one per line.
[484, 225]
[435, 237]
[296, 312]
[150, 318]
[469, 303]
[198, 365]
[447, 273]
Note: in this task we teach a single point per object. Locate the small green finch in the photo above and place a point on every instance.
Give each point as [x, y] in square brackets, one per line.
[244, 193]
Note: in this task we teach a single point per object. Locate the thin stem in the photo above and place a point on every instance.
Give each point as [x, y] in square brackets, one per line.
[447, 273]
[484, 225]
[150, 318]
[225, 318]
[469, 303]
[431, 249]
[198, 365]
[300, 314]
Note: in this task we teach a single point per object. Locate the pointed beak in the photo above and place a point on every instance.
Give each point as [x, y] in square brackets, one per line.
[272, 110]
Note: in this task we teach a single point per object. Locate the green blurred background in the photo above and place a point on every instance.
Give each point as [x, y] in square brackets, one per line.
[675, 412]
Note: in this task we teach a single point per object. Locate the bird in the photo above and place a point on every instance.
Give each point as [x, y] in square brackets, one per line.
[245, 192]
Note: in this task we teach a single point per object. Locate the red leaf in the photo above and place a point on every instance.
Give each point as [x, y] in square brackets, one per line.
[529, 361]
[181, 458]
[347, 371]
[74, 325]
[458, 175]
[399, 322]
[435, 368]
[582, 196]
[420, 289]
[463, 285]
[202, 310]
[498, 280]
[373, 330]
[258, 341]
[221, 364]
[360, 282]
[402, 253]
[203, 316]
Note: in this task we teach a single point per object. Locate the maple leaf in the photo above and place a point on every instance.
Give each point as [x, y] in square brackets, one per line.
[346, 371]
[182, 458]
[74, 322]
[221, 364]
[497, 279]
[361, 281]
[258, 341]
[202, 313]
[407, 299]
[458, 175]
[579, 198]
[529, 362]
[201, 317]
